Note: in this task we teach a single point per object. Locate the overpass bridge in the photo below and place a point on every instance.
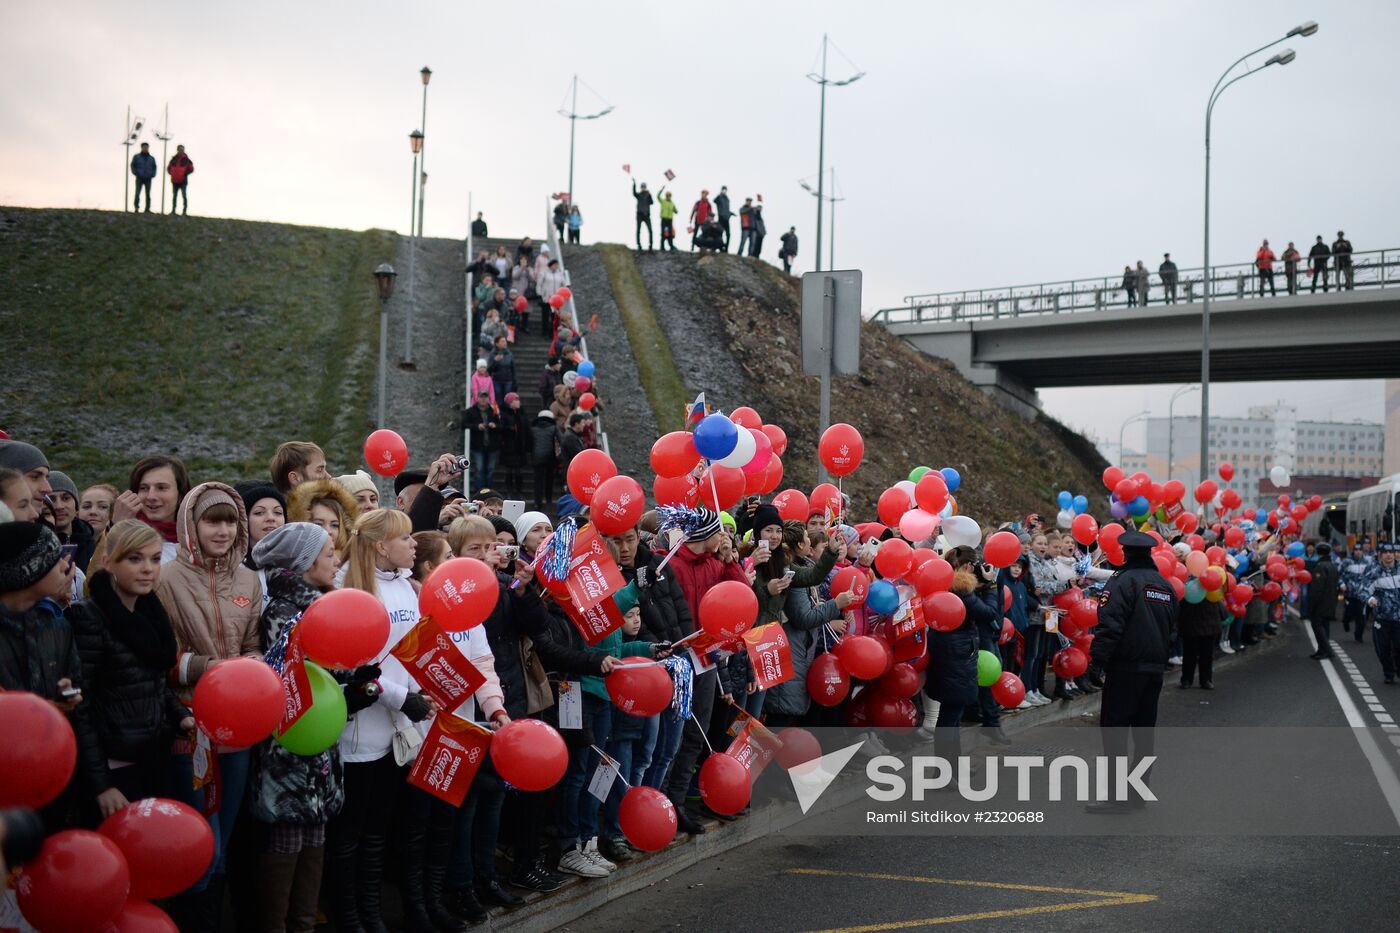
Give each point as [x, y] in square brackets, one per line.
[1014, 341]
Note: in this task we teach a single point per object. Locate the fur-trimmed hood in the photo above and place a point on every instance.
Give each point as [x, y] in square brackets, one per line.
[300, 500]
[964, 582]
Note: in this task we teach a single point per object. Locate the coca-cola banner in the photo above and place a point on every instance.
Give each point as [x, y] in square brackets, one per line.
[770, 653]
[449, 758]
[296, 684]
[430, 656]
[593, 574]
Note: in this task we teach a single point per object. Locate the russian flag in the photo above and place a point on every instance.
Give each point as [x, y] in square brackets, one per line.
[696, 412]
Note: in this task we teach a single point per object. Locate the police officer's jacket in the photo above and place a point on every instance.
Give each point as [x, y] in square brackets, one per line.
[1353, 573]
[1384, 585]
[1137, 613]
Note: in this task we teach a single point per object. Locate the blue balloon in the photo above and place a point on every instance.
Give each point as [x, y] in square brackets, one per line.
[1296, 549]
[1081, 505]
[951, 478]
[882, 598]
[716, 437]
[1139, 507]
[1242, 563]
[1065, 499]
[1194, 591]
[586, 368]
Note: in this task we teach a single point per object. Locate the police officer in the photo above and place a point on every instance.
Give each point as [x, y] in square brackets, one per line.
[1321, 603]
[1353, 575]
[1381, 591]
[1137, 613]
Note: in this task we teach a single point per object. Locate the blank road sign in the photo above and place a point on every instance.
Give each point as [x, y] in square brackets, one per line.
[819, 337]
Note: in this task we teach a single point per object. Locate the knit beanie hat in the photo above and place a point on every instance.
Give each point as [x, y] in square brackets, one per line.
[211, 496]
[707, 526]
[626, 598]
[502, 525]
[529, 520]
[61, 483]
[359, 481]
[294, 546]
[766, 515]
[28, 551]
[253, 491]
[17, 455]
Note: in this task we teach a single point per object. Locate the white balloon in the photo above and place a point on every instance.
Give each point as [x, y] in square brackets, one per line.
[1065, 518]
[962, 531]
[743, 451]
[947, 509]
[570, 378]
[908, 488]
[1279, 476]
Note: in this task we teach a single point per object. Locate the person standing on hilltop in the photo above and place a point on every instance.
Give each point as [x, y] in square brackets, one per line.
[789, 251]
[1291, 256]
[643, 214]
[180, 169]
[756, 225]
[1264, 262]
[746, 226]
[1167, 272]
[143, 166]
[479, 225]
[1341, 249]
[723, 212]
[561, 218]
[1317, 258]
[699, 214]
[668, 222]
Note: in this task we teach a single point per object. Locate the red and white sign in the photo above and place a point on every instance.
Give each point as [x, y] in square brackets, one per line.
[770, 654]
[296, 685]
[596, 622]
[909, 617]
[431, 658]
[593, 574]
[753, 747]
[449, 758]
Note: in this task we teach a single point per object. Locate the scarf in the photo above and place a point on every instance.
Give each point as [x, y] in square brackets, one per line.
[146, 632]
[166, 529]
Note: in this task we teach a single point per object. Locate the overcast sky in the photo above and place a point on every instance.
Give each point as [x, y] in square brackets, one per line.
[987, 145]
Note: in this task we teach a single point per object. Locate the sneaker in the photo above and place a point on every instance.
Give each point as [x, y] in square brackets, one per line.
[1174, 661]
[616, 850]
[591, 850]
[538, 879]
[577, 862]
[872, 741]
[1040, 699]
[1024, 704]
[688, 822]
[1225, 648]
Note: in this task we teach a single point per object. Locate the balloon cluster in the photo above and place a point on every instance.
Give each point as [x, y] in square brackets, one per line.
[725, 458]
[1071, 506]
[923, 502]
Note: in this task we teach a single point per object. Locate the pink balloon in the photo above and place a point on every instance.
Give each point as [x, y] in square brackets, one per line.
[762, 452]
[916, 524]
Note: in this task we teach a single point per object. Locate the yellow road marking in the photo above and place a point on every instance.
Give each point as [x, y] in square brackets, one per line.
[1101, 899]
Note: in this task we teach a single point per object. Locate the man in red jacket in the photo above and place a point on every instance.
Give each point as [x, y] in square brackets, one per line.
[699, 214]
[1264, 262]
[180, 169]
[697, 568]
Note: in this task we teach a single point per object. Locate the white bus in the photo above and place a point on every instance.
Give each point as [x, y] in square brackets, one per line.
[1373, 513]
[1328, 524]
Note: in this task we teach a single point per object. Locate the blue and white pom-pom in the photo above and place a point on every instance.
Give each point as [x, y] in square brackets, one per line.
[277, 654]
[678, 516]
[682, 673]
[557, 552]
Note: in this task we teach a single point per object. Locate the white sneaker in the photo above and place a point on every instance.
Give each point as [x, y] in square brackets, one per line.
[1174, 661]
[591, 850]
[576, 862]
[1225, 648]
[1038, 698]
[1024, 704]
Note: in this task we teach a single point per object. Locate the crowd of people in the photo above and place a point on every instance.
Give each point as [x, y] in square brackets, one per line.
[710, 223]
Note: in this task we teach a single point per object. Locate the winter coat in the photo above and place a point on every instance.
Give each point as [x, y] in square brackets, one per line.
[515, 438]
[369, 733]
[770, 606]
[1290, 260]
[1384, 586]
[545, 432]
[127, 657]
[700, 212]
[803, 617]
[484, 425]
[562, 651]
[1046, 579]
[286, 787]
[490, 330]
[643, 201]
[1353, 575]
[501, 366]
[952, 666]
[1019, 613]
[37, 650]
[575, 220]
[668, 209]
[570, 446]
[482, 382]
[697, 573]
[1198, 620]
[745, 215]
[143, 166]
[722, 207]
[1318, 256]
[549, 379]
[756, 221]
[213, 605]
[522, 279]
[789, 241]
[181, 168]
[1322, 591]
[665, 612]
[1342, 250]
[550, 281]
[517, 613]
[1167, 271]
[479, 227]
[1137, 613]
[1264, 259]
[85, 538]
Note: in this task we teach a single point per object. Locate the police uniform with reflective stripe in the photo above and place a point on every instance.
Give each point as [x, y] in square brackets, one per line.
[1384, 586]
[1353, 573]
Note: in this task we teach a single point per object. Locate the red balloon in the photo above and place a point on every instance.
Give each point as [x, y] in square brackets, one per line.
[1299, 512]
[1002, 549]
[459, 594]
[1234, 537]
[342, 629]
[728, 483]
[78, 882]
[900, 680]
[746, 417]
[1212, 579]
[521, 304]
[1230, 498]
[587, 400]
[852, 579]
[1066, 599]
[1173, 490]
[944, 611]
[1008, 690]
[529, 754]
[824, 496]
[1187, 522]
[1070, 663]
[1205, 491]
[167, 845]
[894, 558]
[931, 492]
[1178, 586]
[1112, 477]
[647, 818]
[1304, 576]
[841, 449]
[922, 555]
[639, 687]
[1084, 529]
[1227, 472]
[1242, 593]
[556, 302]
[37, 751]
[583, 384]
[674, 454]
[140, 917]
[827, 681]
[778, 437]
[239, 702]
[892, 505]
[1085, 613]
[762, 453]
[1008, 631]
[724, 784]
[792, 505]
[565, 292]
[1125, 490]
[617, 505]
[1143, 482]
[866, 658]
[895, 714]
[679, 490]
[1270, 592]
[1166, 563]
[728, 610]
[587, 471]
[799, 747]
[1196, 542]
[386, 453]
[1006, 599]
[772, 476]
[1109, 534]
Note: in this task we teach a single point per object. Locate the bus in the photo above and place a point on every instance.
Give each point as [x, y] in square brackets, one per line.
[1328, 524]
[1372, 513]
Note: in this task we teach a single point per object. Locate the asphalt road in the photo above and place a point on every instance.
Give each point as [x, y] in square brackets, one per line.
[1009, 883]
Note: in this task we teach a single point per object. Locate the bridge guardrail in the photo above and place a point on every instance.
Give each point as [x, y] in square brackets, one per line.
[1371, 269]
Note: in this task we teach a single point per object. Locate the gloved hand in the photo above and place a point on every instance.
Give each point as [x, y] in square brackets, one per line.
[417, 707]
[357, 697]
[365, 674]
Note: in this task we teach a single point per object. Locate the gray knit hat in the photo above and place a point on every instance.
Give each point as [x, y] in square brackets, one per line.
[61, 483]
[708, 525]
[28, 551]
[17, 455]
[294, 546]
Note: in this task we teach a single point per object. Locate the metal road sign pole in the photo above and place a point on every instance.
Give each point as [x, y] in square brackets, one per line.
[828, 321]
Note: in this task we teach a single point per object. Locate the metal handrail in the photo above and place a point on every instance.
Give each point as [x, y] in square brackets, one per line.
[469, 366]
[1370, 269]
[556, 249]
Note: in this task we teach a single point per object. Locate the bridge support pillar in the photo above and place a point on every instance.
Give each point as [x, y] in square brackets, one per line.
[957, 349]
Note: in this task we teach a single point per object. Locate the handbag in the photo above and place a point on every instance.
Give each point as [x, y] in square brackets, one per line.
[538, 696]
[406, 742]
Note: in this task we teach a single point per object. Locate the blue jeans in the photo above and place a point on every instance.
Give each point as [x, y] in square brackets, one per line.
[670, 729]
[478, 825]
[1033, 667]
[578, 809]
[233, 780]
[485, 463]
[624, 747]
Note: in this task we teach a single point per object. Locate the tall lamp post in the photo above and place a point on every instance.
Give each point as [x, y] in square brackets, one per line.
[415, 143]
[1134, 419]
[1171, 426]
[383, 287]
[427, 74]
[831, 199]
[574, 116]
[1281, 58]
[823, 80]
[164, 135]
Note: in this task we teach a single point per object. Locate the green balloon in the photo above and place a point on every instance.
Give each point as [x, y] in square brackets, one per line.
[917, 473]
[320, 726]
[988, 668]
[1194, 591]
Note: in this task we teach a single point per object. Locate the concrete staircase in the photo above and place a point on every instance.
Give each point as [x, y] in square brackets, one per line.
[530, 348]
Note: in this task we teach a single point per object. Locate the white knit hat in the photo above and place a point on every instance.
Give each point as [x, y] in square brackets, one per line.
[529, 520]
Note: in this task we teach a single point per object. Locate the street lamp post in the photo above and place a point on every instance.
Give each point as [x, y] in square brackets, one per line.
[830, 199]
[384, 287]
[415, 143]
[426, 73]
[823, 80]
[574, 116]
[1282, 58]
[1171, 426]
[164, 135]
[1134, 419]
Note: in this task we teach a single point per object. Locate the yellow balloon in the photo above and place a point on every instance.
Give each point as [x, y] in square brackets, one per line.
[1215, 596]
